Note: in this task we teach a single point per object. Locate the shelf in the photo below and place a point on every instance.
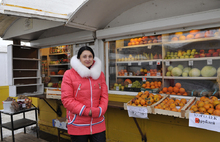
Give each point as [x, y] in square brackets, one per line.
[21, 123]
[139, 76]
[139, 61]
[27, 59]
[56, 75]
[192, 59]
[191, 78]
[193, 40]
[31, 94]
[59, 53]
[141, 45]
[26, 77]
[25, 69]
[65, 64]
[28, 85]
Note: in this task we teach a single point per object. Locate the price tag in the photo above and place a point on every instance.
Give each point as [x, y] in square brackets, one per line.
[167, 63]
[148, 74]
[130, 74]
[139, 63]
[125, 74]
[23, 105]
[190, 63]
[117, 88]
[158, 74]
[208, 122]
[209, 61]
[129, 63]
[129, 85]
[158, 62]
[138, 112]
[151, 63]
[144, 79]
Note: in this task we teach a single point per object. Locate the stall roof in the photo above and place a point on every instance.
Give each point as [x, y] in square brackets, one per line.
[96, 14]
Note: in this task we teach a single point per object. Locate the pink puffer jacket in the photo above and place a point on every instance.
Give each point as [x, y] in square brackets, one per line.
[84, 89]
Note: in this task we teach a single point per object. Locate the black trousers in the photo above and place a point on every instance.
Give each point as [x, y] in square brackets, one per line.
[98, 137]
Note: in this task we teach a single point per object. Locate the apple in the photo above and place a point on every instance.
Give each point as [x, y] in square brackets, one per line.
[218, 50]
[145, 38]
[149, 41]
[196, 55]
[200, 35]
[155, 41]
[215, 54]
[152, 37]
[208, 54]
[202, 55]
[176, 57]
[211, 51]
[202, 51]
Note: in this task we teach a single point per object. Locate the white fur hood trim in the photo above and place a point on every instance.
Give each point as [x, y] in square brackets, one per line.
[83, 71]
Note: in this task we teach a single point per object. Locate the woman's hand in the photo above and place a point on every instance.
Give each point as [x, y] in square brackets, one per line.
[90, 112]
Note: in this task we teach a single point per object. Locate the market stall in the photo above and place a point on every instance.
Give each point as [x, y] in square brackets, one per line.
[153, 52]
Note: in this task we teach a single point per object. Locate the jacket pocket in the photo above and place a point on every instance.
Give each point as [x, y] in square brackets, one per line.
[76, 120]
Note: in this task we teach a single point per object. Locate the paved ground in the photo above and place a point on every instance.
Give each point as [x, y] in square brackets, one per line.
[21, 137]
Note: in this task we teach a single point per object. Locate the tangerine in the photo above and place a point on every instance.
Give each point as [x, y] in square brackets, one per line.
[182, 90]
[176, 89]
[217, 107]
[178, 85]
[202, 110]
[164, 89]
[170, 89]
[216, 112]
[210, 110]
[184, 101]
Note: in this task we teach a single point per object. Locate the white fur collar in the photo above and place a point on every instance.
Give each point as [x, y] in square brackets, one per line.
[83, 71]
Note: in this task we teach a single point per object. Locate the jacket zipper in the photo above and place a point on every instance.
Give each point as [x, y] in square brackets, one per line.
[91, 105]
[77, 90]
[99, 86]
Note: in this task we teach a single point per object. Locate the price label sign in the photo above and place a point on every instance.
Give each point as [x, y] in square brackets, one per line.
[151, 63]
[129, 85]
[139, 63]
[209, 61]
[129, 63]
[125, 74]
[138, 112]
[148, 74]
[167, 63]
[144, 79]
[208, 122]
[158, 74]
[158, 62]
[190, 63]
[130, 74]
[117, 88]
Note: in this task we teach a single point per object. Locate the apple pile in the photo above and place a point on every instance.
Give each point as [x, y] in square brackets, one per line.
[210, 53]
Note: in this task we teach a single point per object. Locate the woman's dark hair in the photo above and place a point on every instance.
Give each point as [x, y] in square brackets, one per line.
[85, 48]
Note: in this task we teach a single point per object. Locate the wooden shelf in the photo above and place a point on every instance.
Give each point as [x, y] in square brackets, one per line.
[64, 64]
[59, 53]
[139, 76]
[192, 59]
[141, 45]
[31, 94]
[56, 75]
[26, 78]
[28, 85]
[27, 59]
[191, 78]
[192, 40]
[139, 61]
[25, 69]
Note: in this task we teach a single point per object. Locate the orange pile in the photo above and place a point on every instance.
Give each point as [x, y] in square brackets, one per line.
[151, 85]
[122, 72]
[145, 99]
[153, 72]
[176, 90]
[208, 106]
[172, 104]
[145, 40]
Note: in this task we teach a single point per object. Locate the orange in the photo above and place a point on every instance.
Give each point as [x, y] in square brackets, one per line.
[174, 109]
[182, 90]
[185, 94]
[193, 32]
[202, 110]
[190, 36]
[178, 34]
[164, 89]
[175, 89]
[216, 112]
[178, 85]
[170, 89]
[217, 107]
[129, 44]
[182, 37]
[174, 39]
[173, 93]
[201, 104]
[178, 94]
[161, 92]
[202, 98]
[210, 110]
[144, 85]
[183, 101]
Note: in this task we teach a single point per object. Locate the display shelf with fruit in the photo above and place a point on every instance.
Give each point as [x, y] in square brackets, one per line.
[139, 61]
[60, 64]
[190, 78]
[59, 53]
[205, 105]
[139, 45]
[139, 76]
[193, 59]
[145, 100]
[174, 106]
[56, 75]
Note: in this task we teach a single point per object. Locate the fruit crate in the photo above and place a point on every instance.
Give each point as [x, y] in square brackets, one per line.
[132, 89]
[181, 114]
[149, 108]
[156, 90]
[53, 93]
[188, 109]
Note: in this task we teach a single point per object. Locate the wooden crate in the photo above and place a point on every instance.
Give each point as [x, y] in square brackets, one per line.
[181, 114]
[53, 93]
[149, 108]
[188, 109]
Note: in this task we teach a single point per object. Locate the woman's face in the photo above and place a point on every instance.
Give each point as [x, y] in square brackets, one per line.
[86, 58]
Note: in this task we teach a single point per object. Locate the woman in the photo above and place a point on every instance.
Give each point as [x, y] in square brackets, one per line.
[85, 97]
